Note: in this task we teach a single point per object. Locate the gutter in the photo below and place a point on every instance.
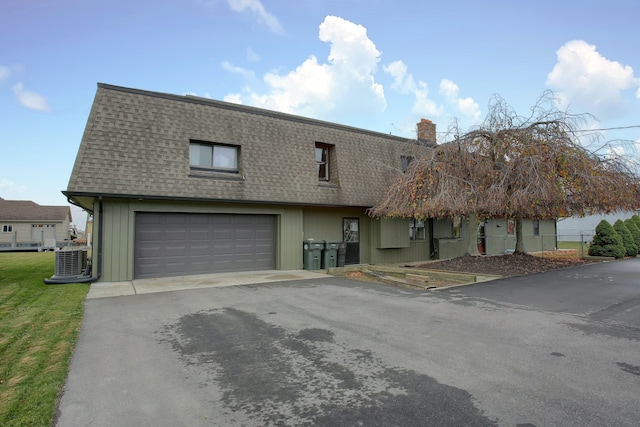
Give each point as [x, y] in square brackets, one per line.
[87, 276]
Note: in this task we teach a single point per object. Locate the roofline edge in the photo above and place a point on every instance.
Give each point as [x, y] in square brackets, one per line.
[71, 194]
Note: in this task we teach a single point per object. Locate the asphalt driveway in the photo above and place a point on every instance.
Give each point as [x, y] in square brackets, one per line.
[557, 348]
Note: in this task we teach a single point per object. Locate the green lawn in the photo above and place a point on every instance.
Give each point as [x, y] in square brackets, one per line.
[572, 245]
[39, 326]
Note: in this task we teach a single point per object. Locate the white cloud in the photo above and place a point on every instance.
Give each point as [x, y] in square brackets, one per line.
[206, 95]
[617, 151]
[588, 80]
[466, 106]
[404, 83]
[344, 84]
[252, 56]
[238, 70]
[256, 7]
[31, 100]
[308, 87]
[423, 105]
[10, 188]
[236, 98]
[464, 109]
[5, 72]
[5, 184]
[628, 152]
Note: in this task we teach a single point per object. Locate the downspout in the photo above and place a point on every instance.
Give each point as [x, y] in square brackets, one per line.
[432, 246]
[87, 277]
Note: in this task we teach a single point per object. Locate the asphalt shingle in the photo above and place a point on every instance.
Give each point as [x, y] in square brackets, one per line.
[136, 144]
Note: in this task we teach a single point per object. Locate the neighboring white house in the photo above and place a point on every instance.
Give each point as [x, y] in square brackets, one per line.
[25, 224]
[576, 229]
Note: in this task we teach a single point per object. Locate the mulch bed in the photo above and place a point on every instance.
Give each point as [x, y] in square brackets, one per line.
[503, 265]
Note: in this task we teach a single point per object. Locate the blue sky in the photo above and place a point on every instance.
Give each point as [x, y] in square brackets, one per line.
[376, 64]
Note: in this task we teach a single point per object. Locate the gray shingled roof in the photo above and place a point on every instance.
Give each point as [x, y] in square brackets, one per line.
[136, 144]
[25, 210]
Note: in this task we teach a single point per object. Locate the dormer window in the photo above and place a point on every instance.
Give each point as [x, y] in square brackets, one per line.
[213, 156]
[322, 161]
[405, 161]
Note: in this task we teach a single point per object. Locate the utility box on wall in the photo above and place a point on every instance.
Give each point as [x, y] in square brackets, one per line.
[392, 233]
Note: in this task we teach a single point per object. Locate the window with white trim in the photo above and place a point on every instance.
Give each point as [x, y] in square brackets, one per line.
[211, 156]
[326, 159]
[322, 161]
[7, 228]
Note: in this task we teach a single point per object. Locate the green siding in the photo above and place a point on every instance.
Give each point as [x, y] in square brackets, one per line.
[391, 233]
[119, 231]
[326, 224]
[117, 250]
[498, 241]
[545, 241]
[447, 246]
[413, 250]
[296, 224]
[418, 250]
[290, 236]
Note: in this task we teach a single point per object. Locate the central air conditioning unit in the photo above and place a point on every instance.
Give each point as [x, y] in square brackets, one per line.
[70, 262]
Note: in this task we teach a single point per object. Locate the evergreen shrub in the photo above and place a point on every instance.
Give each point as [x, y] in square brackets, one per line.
[634, 230]
[606, 242]
[630, 247]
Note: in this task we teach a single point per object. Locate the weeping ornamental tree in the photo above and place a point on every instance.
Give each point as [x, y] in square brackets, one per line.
[512, 166]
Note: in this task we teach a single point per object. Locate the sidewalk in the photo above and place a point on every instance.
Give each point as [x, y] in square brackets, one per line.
[167, 284]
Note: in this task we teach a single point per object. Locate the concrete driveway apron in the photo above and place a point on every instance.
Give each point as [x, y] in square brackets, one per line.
[557, 348]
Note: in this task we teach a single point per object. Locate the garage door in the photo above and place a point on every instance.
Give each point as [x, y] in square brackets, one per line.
[175, 244]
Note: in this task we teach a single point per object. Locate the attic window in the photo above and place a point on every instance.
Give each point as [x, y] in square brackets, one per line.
[7, 228]
[405, 161]
[219, 157]
[322, 161]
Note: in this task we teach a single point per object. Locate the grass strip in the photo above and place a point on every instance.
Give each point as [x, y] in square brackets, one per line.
[39, 326]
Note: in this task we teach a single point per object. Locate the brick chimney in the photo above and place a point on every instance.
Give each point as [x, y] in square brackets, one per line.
[427, 131]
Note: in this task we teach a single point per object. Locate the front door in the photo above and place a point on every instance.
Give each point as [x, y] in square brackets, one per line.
[482, 246]
[351, 237]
